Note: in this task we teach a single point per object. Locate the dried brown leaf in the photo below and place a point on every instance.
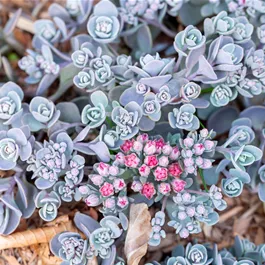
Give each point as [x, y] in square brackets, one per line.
[231, 213]
[241, 225]
[11, 260]
[259, 238]
[34, 236]
[138, 233]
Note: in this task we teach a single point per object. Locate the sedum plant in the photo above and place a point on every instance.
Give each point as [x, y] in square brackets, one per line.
[156, 115]
[99, 242]
[242, 252]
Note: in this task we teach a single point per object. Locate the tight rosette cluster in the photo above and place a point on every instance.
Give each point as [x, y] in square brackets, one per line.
[50, 161]
[155, 164]
[98, 242]
[196, 151]
[189, 210]
[107, 187]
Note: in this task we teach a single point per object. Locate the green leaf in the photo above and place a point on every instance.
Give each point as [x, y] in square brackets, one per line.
[66, 80]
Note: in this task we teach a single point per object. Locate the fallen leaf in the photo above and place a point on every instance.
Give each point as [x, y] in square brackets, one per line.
[138, 234]
[11, 260]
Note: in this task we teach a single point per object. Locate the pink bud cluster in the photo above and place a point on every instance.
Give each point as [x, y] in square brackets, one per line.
[194, 150]
[112, 188]
[156, 163]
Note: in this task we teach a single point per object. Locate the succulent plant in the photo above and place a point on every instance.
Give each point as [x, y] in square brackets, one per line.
[104, 25]
[175, 121]
[242, 252]
[100, 240]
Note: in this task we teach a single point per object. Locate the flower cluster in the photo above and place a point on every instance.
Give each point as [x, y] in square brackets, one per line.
[107, 188]
[189, 209]
[195, 150]
[161, 169]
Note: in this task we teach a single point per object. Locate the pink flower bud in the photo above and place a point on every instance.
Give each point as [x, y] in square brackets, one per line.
[96, 179]
[120, 158]
[207, 163]
[143, 138]
[113, 170]
[109, 203]
[178, 185]
[175, 170]
[167, 149]
[144, 170]
[188, 153]
[151, 161]
[92, 200]
[190, 170]
[136, 186]
[163, 161]
[148, 190]
[186, 197]
[204, 133]
[184, 233]
[119, 184]
[188, 142]
[137, 146]
[174, 155]
[83, 189]
[208, 145]
[103, 169]
[190, 211]
[131, 160]
[160, 173]
[150, 148]
[198, 149]
[122, 201]
[106, 189]
[188, 162]
[182, 216]
[127, 146]
[199, 161]
[159, 144]
[164, 188]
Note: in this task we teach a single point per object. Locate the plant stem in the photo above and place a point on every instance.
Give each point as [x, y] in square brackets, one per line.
[202, 125]
[203, 180]
[198, 192]
[164, 204]
[162, 27]
[226, 173]
[207, 90]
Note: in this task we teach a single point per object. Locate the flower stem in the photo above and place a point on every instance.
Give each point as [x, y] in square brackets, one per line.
[202, 125]
[207, 90]
[164, 204]
[203, 180]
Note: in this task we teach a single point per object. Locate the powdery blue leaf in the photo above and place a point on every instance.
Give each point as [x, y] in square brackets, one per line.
[45, 83]
[144, 39]
[256, 114]
[25, 191]
[211, 176]
[261, 191]
[10, 25]
[85, 223]
[69, 112]
[220, 125]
